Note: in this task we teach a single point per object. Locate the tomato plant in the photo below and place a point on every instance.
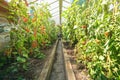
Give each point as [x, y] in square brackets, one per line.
[95, 27]
[30, 34]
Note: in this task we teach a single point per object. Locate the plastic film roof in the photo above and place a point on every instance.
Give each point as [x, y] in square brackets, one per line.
[56, 8]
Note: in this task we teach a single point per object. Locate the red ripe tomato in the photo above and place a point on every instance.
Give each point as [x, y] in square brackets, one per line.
[42, 29]
[35, 32]
[84, 42]
[25, 19]
[106, 34]
[84, 26]
[34, 44]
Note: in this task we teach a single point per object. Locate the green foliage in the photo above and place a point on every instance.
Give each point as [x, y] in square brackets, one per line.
[30, 34]
[95, 25]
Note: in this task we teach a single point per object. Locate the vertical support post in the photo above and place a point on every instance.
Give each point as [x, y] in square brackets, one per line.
[60, 10]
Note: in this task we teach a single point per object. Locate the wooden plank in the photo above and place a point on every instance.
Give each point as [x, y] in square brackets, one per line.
[68, 67]
[4, 6]
[44, 75]
[4, 11]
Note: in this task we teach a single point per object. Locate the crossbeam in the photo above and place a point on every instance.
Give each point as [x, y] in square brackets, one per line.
[54, 8]
[55, 15]
[54, 12]
[53, 2]
[67, 1]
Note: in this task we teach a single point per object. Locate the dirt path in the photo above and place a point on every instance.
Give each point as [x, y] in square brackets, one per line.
[58, 70]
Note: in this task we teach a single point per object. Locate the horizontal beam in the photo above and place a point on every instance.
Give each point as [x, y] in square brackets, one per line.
[66, 1]
[53, 2]
[55, 12]
[54, 8]
[55, 15]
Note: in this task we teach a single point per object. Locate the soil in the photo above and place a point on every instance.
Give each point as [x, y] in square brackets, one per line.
[79, 69]
[34, 70]
[36, 65]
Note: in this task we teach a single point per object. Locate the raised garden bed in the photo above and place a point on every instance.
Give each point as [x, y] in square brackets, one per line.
[35, 69]
[74, 70]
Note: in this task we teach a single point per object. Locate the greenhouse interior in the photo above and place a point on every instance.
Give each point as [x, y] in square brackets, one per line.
[59, 39]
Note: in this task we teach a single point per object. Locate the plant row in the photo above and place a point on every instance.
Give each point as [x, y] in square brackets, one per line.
[30, 33]
[94, 29]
